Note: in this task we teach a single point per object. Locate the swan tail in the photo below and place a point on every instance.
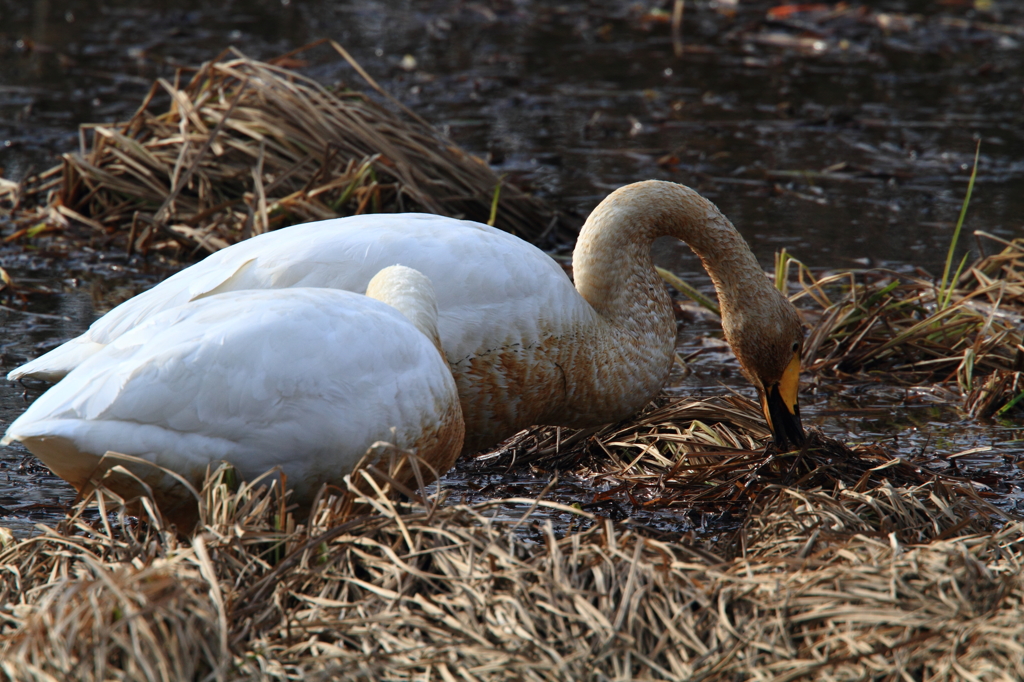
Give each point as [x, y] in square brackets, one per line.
[55, 365]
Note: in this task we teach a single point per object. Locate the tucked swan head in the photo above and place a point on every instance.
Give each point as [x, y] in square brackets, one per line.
[409, 292]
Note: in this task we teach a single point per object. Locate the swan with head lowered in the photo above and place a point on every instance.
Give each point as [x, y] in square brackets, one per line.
[526, 346]
[302, 379]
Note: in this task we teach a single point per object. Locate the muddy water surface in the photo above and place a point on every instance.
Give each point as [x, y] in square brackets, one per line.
[844, 135]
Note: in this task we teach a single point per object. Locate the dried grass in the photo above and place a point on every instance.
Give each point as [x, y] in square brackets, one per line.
[706, 457]
[884, 322]
[244, 147]
[894, 583]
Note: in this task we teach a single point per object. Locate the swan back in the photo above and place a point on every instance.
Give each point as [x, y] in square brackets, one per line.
[502, 304]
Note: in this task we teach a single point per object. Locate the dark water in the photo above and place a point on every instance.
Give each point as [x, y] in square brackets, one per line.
[572, 100]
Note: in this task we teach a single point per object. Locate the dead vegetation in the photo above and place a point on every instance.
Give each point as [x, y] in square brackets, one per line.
[706, 458]
[916, 332]
[890, 583]
[243, 147]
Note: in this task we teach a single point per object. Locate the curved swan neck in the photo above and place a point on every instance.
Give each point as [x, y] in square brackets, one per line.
[612, 256]
[410, 293]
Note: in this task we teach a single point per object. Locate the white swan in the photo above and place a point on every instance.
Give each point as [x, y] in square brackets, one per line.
[525, 345]
[305, 379]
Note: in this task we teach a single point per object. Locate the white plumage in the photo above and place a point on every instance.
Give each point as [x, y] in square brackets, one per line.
[526, 346]
[495, 292]
[479, 273]
[306, 379]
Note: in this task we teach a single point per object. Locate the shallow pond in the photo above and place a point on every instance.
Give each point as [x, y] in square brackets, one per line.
[843, 133]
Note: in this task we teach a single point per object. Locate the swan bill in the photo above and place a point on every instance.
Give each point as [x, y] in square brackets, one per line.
[782, 409]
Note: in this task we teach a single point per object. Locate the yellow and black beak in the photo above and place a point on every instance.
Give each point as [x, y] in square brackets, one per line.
[781, 409]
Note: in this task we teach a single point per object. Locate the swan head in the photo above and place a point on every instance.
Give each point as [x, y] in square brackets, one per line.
[767, 337]
[411, 293]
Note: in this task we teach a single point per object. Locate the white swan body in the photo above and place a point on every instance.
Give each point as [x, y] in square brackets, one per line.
[526, 346]
[304, 379]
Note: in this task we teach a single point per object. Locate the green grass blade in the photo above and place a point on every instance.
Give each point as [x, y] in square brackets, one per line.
[952, 283]
[1009, 406]
[967, 384]
[494, 204]
[959, 223]
[878, 295]
[688, 291]
[782, 260]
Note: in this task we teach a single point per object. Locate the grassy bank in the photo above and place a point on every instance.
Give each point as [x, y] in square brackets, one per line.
[891, 583]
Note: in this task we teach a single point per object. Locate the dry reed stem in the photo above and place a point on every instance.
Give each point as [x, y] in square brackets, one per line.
[889, 584]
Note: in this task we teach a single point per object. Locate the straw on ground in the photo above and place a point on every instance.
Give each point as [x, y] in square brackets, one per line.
[894, 583]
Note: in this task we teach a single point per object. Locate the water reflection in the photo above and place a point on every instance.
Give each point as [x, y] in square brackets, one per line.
[579, 98]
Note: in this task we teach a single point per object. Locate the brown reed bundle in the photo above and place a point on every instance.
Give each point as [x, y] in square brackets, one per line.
[245, 146]
[913, 331]
[906, 325]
